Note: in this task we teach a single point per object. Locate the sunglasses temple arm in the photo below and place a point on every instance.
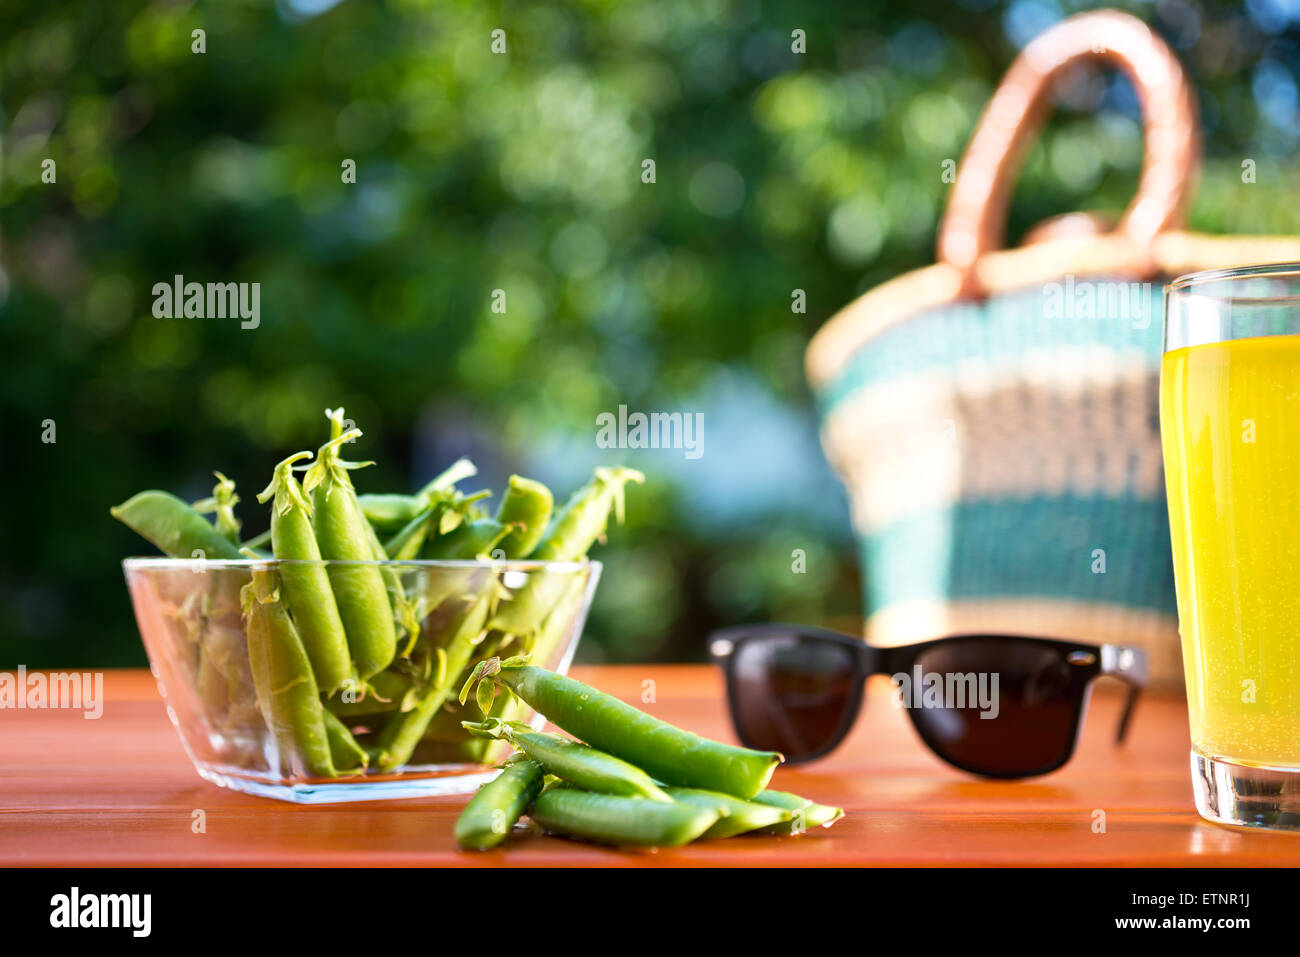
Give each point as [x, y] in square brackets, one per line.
[1130, 666]
[1130, 704]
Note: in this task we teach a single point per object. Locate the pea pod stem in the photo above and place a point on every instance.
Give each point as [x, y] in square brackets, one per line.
[305, 581]
[222, 502]
[670, 754]
[572, 761]
[497, 805]
[458, 509]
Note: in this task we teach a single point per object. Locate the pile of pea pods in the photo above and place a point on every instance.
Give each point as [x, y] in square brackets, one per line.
[353, 664]
[624, 777]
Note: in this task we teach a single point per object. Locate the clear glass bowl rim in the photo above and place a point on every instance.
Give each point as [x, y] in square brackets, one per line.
[210, 564]
[1189, 283]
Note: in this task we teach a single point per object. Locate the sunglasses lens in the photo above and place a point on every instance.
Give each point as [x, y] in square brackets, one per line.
[790, 693]
[1000, 706]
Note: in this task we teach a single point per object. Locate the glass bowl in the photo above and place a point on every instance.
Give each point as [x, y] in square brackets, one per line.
[196, 618]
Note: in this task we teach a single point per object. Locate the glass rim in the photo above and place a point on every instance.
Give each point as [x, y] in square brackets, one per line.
[208, 564]
[1189, 282]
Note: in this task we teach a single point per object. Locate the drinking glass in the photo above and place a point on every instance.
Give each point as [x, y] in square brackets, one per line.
[1230, 427]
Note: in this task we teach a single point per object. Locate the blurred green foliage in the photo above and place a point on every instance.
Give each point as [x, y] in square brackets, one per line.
[774, 171]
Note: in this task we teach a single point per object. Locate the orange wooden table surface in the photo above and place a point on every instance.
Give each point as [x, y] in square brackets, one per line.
[120, 791]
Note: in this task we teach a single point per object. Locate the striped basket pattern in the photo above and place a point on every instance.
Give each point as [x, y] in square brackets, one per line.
[1002, 455]
[1005, 470]
[994, 415]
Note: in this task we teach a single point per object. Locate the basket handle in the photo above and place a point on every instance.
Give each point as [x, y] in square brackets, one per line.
[975, 219]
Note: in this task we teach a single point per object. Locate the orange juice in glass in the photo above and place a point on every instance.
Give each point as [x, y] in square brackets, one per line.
[1230, 426]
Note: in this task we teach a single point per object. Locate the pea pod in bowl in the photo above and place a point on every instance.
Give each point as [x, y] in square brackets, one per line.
[344, 536]
[305, 581]
[567, 538]
[334, 676]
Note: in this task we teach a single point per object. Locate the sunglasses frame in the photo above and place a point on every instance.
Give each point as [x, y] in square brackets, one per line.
[1087, 662]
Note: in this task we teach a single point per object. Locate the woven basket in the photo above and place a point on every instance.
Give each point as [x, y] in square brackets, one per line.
[995, 416]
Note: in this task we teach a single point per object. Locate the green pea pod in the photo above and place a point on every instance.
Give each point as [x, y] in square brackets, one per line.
[618, 820]
[467, 541]
[286, 688]
[567, 539]
[174, 526]
[406, 615]
[585, 515]
[803, 812]
[348, 756]
[403, 730]
[406, 544]
[572, 761]
[527, 505]
[388, 513]
[449, 509]
[668, 753]
[306, 586]
[223, 502]
[406, 612]
[737, 816]
[344, 536]
[494, 809]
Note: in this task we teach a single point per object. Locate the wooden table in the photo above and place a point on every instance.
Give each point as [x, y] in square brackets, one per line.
[120, 791]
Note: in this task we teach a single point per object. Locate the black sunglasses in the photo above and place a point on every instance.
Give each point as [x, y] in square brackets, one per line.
[1000, 706]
